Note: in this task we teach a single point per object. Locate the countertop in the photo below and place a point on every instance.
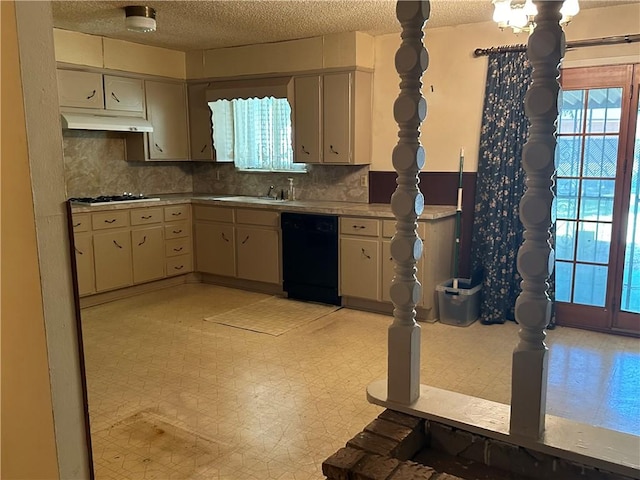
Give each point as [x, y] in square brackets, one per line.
[352, 209]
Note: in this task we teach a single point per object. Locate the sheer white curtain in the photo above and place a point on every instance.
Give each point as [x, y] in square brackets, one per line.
[255, 133]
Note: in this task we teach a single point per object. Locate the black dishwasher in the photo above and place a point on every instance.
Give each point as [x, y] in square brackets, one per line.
[310, 257]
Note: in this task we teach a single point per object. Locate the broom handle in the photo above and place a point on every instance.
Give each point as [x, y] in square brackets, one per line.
[456, 249]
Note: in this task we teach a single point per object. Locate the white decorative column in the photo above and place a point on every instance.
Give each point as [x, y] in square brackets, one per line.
[535, 257]
[407, 203]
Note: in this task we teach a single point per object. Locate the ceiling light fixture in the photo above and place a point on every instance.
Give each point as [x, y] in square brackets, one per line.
[520, 16]
[140, 19]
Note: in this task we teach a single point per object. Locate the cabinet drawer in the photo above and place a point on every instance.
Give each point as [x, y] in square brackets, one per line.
[258, 217]
[178, 246]
[113, 219]
[389, 229]
[179, 265]
[214, 214]
[81, 222]
[142, 216]
[177, 230]
[369, 227]
[176, 212]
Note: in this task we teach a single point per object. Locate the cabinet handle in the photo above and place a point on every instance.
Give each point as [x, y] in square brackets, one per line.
[245, 240]
[332, 150]
[179, 267]
[177, 249]
[78, 251]
[203, 148]
[359, 226]
[114, 97]
[158, 147]
[144, 239]
[116, 244]
[77, 224]
[93, 94]
[391, 259]
[365, 254]
[224, 237]
[110, 221]
[176, 214]
[146, 217]
[176, 231]
[304, 150]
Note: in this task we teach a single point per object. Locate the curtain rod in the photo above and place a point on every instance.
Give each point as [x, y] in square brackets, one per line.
[592, 42]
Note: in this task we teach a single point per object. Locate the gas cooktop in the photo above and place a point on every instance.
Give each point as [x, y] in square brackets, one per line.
[109, 199]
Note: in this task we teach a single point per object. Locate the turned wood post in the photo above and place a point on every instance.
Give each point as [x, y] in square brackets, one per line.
[535, 256]
[407, 204]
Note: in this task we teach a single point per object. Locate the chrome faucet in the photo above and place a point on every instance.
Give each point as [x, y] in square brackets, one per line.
[270, 190]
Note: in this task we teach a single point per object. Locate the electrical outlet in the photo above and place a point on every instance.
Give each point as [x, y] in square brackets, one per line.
[364, 180]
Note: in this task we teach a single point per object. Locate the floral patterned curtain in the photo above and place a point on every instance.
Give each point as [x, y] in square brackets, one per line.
[497, 231]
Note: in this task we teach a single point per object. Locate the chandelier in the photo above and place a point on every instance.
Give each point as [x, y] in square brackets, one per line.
[520, 16]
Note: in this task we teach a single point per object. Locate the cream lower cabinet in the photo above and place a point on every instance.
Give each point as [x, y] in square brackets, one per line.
[124, 247]
[112, 259]
[147, 253]
[258, 254]
[238, 242]
[360, 268]
[367, 267]
[83, 244]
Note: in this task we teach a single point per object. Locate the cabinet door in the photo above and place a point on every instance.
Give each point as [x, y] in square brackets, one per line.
[215, 249]
[307, 118]
[359, 268]
[80, 89]
[84, 263]
[148, 254]
[200, 133]
[387, 270]
[167, 112]
[337, 118]
[123, 94]
[258, 254]
[112, 256]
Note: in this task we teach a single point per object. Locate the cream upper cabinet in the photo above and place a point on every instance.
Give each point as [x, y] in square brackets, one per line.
[80, 89]
[308, 125]
[100, 92]
[200, 134]
[124, 94]
[333, 110]
[167, 112]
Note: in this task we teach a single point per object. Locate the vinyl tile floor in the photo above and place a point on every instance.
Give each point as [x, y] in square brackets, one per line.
[172, 396]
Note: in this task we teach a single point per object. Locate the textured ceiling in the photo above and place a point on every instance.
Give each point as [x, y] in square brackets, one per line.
[191, 25]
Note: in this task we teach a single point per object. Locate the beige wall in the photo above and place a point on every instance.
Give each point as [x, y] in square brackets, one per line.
[27, 439]
[455, 104]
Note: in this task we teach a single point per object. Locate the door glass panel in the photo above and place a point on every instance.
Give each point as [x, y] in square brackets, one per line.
[603, 110]
[630, 300]
[567, 197]
[569, 152]
[564, 281]
[594, 240]
[571, 113]
[590, 285]
[586, 163]
[600, 156]
[597, 200]
[565, 239]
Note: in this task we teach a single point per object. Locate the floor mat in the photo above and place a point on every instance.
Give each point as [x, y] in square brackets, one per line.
[273, 315]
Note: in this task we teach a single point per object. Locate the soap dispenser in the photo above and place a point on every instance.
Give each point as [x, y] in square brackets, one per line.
[291, 194]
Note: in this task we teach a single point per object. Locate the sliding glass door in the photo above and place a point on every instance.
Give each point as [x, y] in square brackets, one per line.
[597, 235]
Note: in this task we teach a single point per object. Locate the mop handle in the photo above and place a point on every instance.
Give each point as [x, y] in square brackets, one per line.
[456, 252]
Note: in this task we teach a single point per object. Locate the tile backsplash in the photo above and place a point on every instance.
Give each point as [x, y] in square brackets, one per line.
[95, 165]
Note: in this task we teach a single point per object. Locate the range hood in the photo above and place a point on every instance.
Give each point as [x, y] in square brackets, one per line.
[85, 121]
